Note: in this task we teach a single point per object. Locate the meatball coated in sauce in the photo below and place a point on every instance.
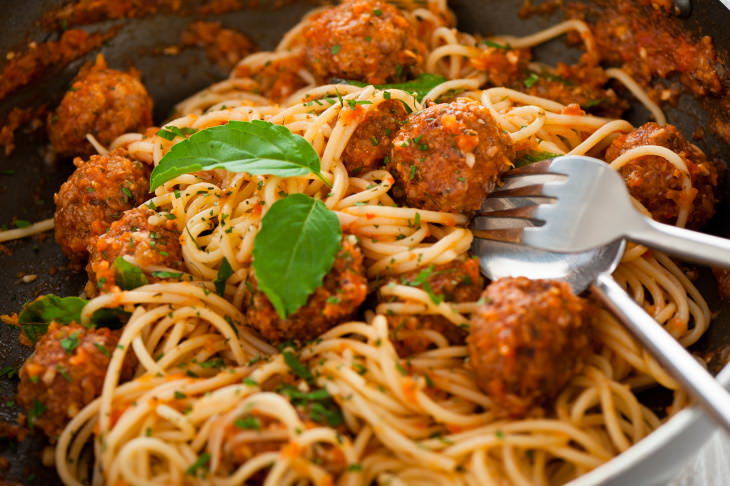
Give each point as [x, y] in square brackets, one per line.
[276, 79]
[64, 374]
[369, 144]
[96, 195]
[103, 102]
[147, 245]
[527, 341]
[343, 290]
[362, 40]
[449, 156]
[657, 184]
[456, 281]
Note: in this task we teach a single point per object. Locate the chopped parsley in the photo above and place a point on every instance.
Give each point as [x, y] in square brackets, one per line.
[102, 349]
[200, 465]
[248, 423]
[531, 80]
[497, 45]
[161, 274]
[37, 409]
[296, 366]
[70, 343]
[224, 273]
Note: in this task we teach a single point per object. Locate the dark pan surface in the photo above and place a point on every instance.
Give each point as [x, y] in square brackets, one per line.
[27, 194]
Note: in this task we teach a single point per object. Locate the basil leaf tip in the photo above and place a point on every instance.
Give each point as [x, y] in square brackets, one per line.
[256, 147]
[294, 250]
[419, 87]
[128, 275]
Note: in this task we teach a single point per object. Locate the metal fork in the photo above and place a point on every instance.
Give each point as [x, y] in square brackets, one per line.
[574, 187]
[572, 204]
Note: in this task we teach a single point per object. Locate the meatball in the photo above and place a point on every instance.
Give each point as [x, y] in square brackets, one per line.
[578, 84]
[370, 142]
[362, 40]
[657, 184]
[149, 246]
[343, 290]
[103, 102]
[456, 281]
[449, 156]
[503, 67]
[276, 79]
[527, 341]
[64, 374]
[95, 196]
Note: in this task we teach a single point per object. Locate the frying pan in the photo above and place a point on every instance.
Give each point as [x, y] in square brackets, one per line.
[27, 193]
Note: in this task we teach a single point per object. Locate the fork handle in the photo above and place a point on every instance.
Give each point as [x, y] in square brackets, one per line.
[689, 245]
[692, 376]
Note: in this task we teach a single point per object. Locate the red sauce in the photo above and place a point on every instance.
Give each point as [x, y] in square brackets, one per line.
[225, 47]
[22, 68]
[16, 118]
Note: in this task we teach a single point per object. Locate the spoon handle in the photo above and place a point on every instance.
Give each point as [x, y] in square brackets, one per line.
[687, 244]
[692, 376]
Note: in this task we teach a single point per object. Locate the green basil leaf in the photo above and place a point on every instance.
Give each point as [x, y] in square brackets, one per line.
[419, 87]
[294, 250]
[35, 316]
[532, 157]
[34, 331]
[50, 308]
[224, 272]
[256, 147]
[128, 275]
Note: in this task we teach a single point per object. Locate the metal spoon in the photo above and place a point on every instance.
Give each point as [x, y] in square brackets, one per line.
[592, 270]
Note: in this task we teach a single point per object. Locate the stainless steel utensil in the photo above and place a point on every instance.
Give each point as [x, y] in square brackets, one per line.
[582, 270]
[578, 203]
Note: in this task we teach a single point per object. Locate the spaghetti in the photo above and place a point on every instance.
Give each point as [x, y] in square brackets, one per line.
[358, 413]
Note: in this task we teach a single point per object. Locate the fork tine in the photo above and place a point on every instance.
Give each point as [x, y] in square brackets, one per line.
[521, 212]
[542, 167]
[507, 235]
[533, 190]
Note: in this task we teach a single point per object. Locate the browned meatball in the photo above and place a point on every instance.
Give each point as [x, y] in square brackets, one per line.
[527, 341]
[133, 235]
[64, 374]
[456, 281]
[362, 40]
[577, 84]
[95, 196]
[370, 142]
[343, 290]
[657, 184]
[275, 79]
[431, 162]
[103, 102]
